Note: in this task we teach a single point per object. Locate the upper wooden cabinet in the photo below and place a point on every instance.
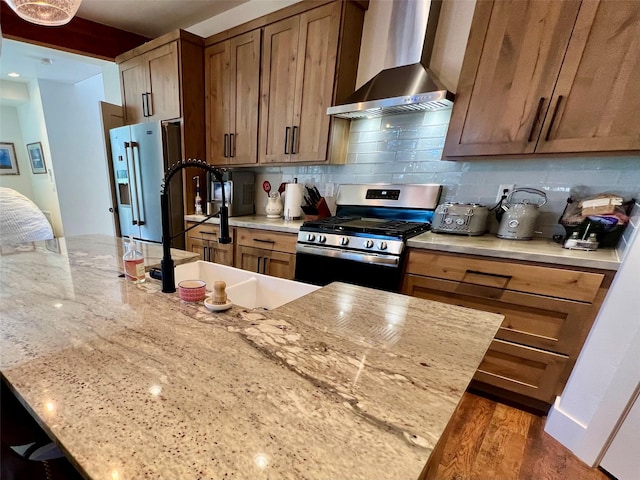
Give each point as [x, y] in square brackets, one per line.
[232, 81]
[298, 70]
[150, 85]
[267, 96]
[549, 77]
[164, 79]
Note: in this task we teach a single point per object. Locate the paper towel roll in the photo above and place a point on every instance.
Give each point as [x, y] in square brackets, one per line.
[292, 201]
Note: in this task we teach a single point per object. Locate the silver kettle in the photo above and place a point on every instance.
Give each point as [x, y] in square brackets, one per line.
[519, 220]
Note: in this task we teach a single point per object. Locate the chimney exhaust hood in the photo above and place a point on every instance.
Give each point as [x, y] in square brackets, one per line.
[406, 88]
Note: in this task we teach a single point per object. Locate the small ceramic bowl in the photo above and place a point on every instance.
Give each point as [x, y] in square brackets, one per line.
[192, 290]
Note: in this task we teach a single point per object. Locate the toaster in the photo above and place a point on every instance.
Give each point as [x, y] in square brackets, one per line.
[461, 218]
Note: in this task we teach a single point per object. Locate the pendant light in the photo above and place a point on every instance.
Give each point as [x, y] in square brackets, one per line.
[50, 13]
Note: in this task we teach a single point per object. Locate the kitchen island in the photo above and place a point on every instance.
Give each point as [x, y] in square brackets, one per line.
[343, 383]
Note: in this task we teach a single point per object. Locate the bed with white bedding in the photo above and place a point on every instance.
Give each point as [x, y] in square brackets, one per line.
[20, 219]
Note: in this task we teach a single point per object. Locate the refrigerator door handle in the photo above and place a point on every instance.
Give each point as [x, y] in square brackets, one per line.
[138, 182]
[133, 194]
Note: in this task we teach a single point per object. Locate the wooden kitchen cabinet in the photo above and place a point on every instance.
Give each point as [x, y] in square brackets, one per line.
[548, 314]
[268, 252]
[232, 96]
[203, 240]
[548, 77]
[150, 85]
[307, 65]
[163, 79]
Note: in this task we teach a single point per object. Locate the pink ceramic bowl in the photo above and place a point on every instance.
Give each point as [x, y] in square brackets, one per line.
[192, 290]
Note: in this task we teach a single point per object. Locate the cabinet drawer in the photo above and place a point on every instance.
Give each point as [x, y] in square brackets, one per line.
[547, 323]
[506, 275]
[525, 370]
[267, 240]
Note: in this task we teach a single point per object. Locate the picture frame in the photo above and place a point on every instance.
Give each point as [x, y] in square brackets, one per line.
[36, 158]
[8, 159]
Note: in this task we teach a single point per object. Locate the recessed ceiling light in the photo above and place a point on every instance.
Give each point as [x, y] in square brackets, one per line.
[13, 74]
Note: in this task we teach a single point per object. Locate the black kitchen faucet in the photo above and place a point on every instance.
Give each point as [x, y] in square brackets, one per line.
[167, 265]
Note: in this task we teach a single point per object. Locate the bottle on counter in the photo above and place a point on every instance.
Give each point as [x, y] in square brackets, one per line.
[198, 198]
[133, 263]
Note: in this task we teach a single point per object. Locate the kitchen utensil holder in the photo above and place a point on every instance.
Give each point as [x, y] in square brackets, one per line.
[322, 208]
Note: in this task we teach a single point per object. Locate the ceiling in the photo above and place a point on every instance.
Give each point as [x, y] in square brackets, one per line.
[153, 18]
[150, 18]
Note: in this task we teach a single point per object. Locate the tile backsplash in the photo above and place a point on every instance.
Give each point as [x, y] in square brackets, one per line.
[407, 148]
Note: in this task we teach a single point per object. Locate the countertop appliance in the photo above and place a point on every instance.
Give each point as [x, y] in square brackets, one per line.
[364, 243]
[460, 218]
[239, 187]
[139, 156]
[519, 219]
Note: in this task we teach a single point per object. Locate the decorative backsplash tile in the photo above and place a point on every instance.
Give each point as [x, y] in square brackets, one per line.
[407, 148]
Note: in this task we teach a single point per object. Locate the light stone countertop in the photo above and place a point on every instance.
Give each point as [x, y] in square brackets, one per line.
[536, 250]
[254, 221]
[344, 383]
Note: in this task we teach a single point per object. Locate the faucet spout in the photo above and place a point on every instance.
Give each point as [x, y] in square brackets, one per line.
[167, 265]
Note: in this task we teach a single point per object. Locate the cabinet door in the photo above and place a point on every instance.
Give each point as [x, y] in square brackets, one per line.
[133, 83]
[222, 254]
[244, 74]
[217, 102]
[280, 264]
[163, 82]
[597, 96]
[514, 54]
[199, 246]
[317, 49]
[251, 259]
[279, 60]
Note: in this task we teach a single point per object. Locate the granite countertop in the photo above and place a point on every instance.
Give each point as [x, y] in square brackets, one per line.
[343, 383]
[254, 221]
[536, 250]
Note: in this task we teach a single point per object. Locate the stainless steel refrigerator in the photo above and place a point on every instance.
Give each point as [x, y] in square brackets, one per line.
[140, 155]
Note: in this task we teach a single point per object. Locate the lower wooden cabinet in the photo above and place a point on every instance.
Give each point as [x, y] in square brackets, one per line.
[548, 314]
[263, 251]
[203, 240]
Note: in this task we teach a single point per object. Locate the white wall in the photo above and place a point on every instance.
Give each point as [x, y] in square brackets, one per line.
[72, 117]
[10, 132]
[34, 129]
[607, 371]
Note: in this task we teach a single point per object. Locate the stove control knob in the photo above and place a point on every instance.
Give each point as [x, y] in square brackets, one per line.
[344, 241]
[448, 220]
[382, 245]
[311, 237]
[460, 221]
[368, 244]
[322, 239]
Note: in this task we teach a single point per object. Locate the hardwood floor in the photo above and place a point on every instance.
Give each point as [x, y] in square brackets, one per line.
[492, 441]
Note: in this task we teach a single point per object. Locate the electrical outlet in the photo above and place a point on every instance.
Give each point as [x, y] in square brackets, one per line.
[504, 190]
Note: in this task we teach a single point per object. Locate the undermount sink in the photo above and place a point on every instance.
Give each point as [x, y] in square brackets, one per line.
[245, 289]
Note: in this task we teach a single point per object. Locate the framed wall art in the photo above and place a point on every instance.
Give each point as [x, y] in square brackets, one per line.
[8, 161]
[36, 157]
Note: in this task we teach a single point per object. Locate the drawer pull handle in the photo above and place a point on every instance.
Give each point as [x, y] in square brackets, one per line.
[476, 272]
[263, 241]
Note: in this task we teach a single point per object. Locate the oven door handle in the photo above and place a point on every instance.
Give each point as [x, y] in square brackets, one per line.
[373, 258]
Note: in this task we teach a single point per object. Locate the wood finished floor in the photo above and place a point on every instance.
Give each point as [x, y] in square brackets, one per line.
[492, 441]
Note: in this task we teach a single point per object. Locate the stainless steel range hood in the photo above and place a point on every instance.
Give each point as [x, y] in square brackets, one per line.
[403, 88]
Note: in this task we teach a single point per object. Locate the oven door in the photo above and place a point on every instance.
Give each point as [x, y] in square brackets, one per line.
[323, 265]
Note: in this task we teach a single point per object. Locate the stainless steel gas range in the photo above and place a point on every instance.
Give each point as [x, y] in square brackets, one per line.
[365, 242]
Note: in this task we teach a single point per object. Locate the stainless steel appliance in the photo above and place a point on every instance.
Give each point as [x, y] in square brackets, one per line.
[519, 219]
[239, 188]
[364, 243]
[461, 218]
[140, 154]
